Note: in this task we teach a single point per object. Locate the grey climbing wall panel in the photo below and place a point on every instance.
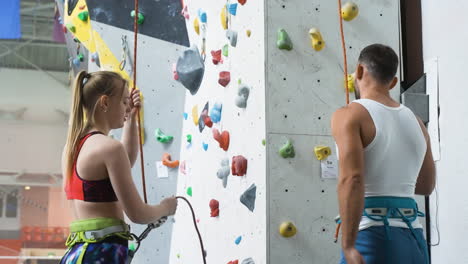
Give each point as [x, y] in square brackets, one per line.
[163, 107]
[304, 87]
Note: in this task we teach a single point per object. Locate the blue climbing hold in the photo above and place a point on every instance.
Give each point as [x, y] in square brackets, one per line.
[232, 9]
[238, 240]
[215, 113]
[202, 16]
[205, 146]
[185, 116]
[76, 62]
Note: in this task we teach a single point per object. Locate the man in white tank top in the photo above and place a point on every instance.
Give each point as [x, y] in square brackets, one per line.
[385, 159]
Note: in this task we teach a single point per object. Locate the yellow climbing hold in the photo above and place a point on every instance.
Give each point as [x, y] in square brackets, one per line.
[316, 39]
[287, 229]
[196, 26]
[224, 21]
[195, 114]
[249, 32]
[350, 81]
[322, 152]
[349, 11]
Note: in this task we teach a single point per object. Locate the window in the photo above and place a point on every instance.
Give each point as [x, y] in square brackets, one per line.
[12, 204]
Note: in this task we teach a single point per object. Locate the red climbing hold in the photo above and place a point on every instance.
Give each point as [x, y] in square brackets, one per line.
[234, 262]
[64, 29]
[216, 56]
[242, 2]
[224, 78]
[207, 120]
[82, 7]
[214, 206]
[222, 138]
[239, 165]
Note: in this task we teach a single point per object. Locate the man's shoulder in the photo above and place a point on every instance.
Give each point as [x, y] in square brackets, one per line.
[351, 113]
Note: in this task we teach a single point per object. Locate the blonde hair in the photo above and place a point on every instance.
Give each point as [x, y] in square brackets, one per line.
[87, 89]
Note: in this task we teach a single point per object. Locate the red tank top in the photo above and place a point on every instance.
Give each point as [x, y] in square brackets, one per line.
[85, 190]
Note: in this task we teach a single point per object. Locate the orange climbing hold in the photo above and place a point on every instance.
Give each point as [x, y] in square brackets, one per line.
[222, 138]
[242, 2]
[166, 160]
[82, 7]
[239, 165]
[214, 206]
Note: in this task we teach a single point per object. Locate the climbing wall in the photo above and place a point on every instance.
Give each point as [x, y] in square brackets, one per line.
[237, 233]
[304, 87]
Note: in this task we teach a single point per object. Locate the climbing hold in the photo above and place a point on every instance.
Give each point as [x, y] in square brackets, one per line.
[224, 19]
[185, 12]
[226, 50]
[207, 120]
[248, 32]
[232, 8]
[350, 83]
[322, 152]
[195, 114]
[82, 7]
[239, 165]
[76, 40]
[80, 57]
[232, 37]
[178, 255]
[215, 112]
[242, 2]
[189, 191]
[222, 138]
[185, 116]
[224, 171]
[284, 42]
[131, 247]
[238, 240]
[202, 15]
[71, 27]
[287, 229]
[64, 29]
[216, 54]
[349, 11]
[205, 146]
[83, 16]
[248, 197]
[166, 160]
[214, 206]
[189, 138]
[202, 119]
[263, 142]
[174, 72]
[141, 17]
[95, 59]
[242, 96]
[191, 68]
[224, 78]
[182, 167]
[161, 137]
[76, 62]
[196, 26]
[248, 261]
[287, 150]
[233, 262]
[316, 39]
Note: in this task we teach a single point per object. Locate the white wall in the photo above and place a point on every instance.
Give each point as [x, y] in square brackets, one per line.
[247, 130]
[445, 38]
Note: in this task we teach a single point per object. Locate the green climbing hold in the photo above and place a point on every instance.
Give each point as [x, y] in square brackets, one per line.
[178, 255]
[284, 42]
[141, 17]
[131, 247]
[80, 57]
[83, 16]
[189, 191]
[264, 142]
[163, 138]
[189, 138]
[71, 27]
[287, 150]
[226, 50]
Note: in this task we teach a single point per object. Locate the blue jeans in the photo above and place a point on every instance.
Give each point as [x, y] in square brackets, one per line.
[401, 248]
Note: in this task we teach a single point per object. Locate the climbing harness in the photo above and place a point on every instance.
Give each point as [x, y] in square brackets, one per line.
[123, 61]
[383, 208]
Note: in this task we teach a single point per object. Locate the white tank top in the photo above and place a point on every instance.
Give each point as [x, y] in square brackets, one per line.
[393, 159]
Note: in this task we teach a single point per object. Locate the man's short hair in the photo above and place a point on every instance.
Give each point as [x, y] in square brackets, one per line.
[381, 62]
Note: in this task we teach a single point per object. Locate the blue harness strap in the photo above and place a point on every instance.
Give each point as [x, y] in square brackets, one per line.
[382, 208]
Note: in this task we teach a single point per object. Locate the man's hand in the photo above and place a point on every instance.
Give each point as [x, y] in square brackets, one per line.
[135, 101]
[353, 256]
